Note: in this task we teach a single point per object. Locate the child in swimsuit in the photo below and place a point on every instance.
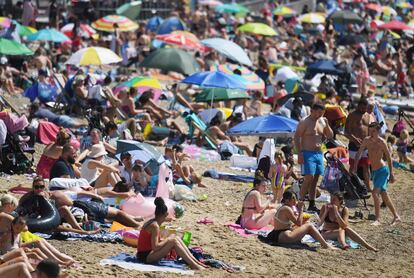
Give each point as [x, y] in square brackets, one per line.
[278, 176]
[402, 146]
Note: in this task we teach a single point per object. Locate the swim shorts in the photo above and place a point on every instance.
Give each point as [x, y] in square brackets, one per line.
[380, 178]
[96, 211]
[312, 163]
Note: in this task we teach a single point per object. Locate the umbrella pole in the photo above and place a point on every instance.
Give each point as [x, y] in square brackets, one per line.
[212, 99]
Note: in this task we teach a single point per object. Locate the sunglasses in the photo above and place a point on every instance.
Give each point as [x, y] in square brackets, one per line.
[38, 187]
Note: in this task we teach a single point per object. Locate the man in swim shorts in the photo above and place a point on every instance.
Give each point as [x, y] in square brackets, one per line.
[309, 136]
[356, 129]
[381, 173]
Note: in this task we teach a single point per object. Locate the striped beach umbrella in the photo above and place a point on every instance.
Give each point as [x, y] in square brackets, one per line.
[314, 18]
[5, 22]
[183, 39]
[93, 56]
[106, 23]
[142, 84]
[85, 30]
[251, 79]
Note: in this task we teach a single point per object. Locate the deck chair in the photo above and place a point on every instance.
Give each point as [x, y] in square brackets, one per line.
[6, 103]
[194, 122]
[61, 98]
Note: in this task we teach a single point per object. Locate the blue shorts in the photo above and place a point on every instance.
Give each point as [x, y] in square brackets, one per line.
[65, 121]
[380, 178]
[312, 163]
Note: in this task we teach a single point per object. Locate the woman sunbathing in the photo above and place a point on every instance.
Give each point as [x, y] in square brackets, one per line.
[289, 227]
[152, 249]
[334, 217]
[255, 213]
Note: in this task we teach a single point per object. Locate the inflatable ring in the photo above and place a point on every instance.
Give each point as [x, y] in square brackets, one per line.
[49, 216]
[131, 237]
[144, 207]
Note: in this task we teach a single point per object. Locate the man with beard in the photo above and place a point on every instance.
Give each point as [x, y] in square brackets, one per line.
[63, 167]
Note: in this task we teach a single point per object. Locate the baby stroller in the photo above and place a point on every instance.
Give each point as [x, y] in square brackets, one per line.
[338, 178]
[13, 158]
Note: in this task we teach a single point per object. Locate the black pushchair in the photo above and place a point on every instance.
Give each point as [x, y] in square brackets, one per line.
[338, 178]
[13, 156]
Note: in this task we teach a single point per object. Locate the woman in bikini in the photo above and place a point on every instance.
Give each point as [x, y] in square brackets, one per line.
[128, 106]
[334, 217]
[257, 214]
[289, 227]
[152, 249]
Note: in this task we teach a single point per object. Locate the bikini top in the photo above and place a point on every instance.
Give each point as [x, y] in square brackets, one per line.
[328, 220]
[280, 221]
[243, 208]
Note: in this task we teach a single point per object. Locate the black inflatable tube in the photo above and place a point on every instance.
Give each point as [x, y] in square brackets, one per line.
[49, 216]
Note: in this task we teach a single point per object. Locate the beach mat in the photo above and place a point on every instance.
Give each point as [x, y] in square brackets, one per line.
[127, 261]
[246, 232]
[212, 173]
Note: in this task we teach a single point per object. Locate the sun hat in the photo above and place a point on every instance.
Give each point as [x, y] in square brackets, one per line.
[97, 150]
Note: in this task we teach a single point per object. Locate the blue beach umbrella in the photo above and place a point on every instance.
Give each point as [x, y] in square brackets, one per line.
[324, 66]
[52, 35]
[153, 23]
[171, 24]
[267, 126]
[229, 49]
[215, 79]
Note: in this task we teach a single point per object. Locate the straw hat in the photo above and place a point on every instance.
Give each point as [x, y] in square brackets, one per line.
[97, 150]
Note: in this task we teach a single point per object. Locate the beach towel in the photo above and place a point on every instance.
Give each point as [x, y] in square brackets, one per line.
[246, 232]
[127, 261]
[101, 236]
[47, 132]
[212, 173]
[307, 239]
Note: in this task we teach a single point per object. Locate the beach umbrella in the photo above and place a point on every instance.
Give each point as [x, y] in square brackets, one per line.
[307, 98]
[106, 23]
[171, 59]
[153, 23]
[171, 24]
[229, 49]
[93, 56]
[5, 22]
[284, 11]
[251, 79]
[388, 11]
[148, 150]
[220, 94]
[86, 31]
[374, 7]
[324, 66]
[130, 10]
[352, 39]
[314, 18]
[11, 47]
[215, 79]
[346, 17]
[25, 31]
[142, 84]
[395, 25]
[232, 8]
[52, 35]
[284, 73]
[258, 29]
[404, 5]
[266, 126]
[183, 39]
[210, 3]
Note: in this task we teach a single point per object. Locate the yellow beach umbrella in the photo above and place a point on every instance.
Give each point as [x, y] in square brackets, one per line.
[388, 11]
[314, 18]
[404, 5]
[282, 11]
[94, 56]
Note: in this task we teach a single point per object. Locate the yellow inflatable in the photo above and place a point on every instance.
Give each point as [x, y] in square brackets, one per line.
[28, 237]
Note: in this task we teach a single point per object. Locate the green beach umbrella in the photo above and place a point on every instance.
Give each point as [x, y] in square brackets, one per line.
[220, 94]
[232, 8]
[130, 10]
[10, 47]
[258, 29]
[171, 59]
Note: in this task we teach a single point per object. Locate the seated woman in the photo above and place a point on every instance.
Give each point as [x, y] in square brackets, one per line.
[334, 217]
[151, 248]
[256, 214]
[51, 154]
[289, 227]
[128, 106]
[256, 105]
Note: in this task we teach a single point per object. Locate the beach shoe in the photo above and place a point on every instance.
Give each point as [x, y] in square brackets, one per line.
[313, 209]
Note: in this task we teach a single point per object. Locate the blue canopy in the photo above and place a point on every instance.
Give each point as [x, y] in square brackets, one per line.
[153, 23]
[48, 35]
[215, 79]
[268, 126]
[324, 66]
[229, 49]
[169, 25]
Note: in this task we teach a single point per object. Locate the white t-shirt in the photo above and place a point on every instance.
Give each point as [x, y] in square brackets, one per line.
[89, 174]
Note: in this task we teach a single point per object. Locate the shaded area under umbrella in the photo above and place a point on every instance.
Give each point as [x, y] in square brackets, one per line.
[307, 98]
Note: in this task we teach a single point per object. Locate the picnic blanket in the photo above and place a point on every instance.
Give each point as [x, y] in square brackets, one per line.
[128, 261]
[246, 232]
[212, 173]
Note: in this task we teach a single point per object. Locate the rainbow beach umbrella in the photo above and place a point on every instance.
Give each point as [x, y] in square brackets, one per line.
[106, 23]
[5, 22]
[252, 80]
[93, 56]
[142, 84]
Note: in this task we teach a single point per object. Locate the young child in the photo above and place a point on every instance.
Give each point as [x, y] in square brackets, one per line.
[278, 176]
[391, 140]
[402, 147]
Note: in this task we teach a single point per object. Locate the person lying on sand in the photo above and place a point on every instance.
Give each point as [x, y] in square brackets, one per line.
[334, 217]
[381, 173]
[289, 228]
[151, 249]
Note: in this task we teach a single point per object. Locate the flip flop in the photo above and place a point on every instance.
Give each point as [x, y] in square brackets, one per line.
[205, 221]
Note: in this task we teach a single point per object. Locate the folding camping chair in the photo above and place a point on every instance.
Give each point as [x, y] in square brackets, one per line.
[194, 122]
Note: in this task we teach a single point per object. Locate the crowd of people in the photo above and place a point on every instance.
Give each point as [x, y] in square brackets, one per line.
[91, 113]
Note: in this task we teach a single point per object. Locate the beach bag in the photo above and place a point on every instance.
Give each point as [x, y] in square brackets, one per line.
[227, 149]
[331, 178]
[398, 127]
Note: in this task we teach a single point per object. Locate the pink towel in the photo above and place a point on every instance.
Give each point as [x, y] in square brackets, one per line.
[241, 231]
[13, 122]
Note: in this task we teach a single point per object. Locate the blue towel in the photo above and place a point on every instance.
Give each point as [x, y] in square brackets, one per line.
[212, 173]
[124, 257]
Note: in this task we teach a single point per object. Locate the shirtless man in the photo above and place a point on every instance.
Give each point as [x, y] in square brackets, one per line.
[381, 173]
[309, 136]
[356, 129]
[41, 61]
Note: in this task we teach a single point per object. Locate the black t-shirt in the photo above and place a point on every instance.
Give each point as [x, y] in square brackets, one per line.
[61, 168]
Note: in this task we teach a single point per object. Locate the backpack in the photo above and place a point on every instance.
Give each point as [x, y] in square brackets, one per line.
[398, 127]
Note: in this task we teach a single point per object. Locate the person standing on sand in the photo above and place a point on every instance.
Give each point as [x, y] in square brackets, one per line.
[310, 134]
[381, 173]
